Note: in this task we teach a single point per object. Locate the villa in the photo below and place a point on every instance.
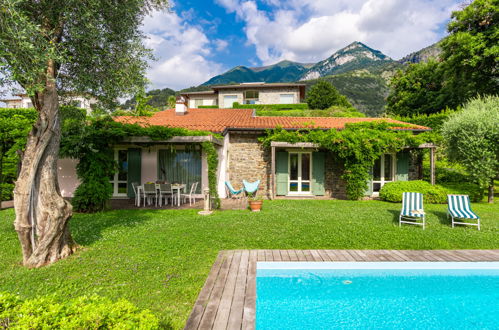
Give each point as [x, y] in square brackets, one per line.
[224, 96]
[287, 170]
[24, 101]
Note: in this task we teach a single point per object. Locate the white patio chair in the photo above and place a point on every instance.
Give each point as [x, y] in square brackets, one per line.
[165, 191]
[150, 193]
[459, 208]
[412, 209]
[136, 193]
[191, 194]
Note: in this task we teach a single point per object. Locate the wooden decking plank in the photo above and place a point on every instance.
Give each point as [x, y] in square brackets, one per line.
[315, 254]
[204, 295]
[292, 255]
[237, 308]
[225, 305]
[333, 255]
[284, 255]
[400, 255]
[276, 254]
[248, 322]
[216, 294]
[300, 255]
[324, 255]
[308, 255]
[261, 255]
[268, 255]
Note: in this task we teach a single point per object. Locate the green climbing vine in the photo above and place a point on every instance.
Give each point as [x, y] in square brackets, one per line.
[357, 146]
[91, 141]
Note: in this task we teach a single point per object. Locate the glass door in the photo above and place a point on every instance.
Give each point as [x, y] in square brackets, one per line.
[383, 172]
[299, 173]
[120, 179]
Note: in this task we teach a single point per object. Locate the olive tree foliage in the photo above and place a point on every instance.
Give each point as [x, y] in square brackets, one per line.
[50, 47]
[472, 136]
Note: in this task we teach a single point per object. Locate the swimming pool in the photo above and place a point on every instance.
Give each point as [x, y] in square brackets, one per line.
[402, 295]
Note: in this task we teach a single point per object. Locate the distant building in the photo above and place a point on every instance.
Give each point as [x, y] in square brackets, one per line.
[23, 101]
[224, 96]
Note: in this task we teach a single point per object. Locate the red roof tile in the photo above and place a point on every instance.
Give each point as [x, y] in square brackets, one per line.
[217, 120]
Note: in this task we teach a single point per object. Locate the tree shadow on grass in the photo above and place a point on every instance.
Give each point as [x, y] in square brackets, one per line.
[88, 228]
[396, 214]
[442, 217]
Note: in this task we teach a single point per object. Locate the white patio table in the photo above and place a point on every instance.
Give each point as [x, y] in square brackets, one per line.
[175, 188]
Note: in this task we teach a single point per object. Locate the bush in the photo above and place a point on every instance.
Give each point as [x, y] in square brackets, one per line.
[208, 107]
[7, 191]
[81, 313]
[323, 95]
[434, 121]
[464, 188]
[271, 107]
[392, 191]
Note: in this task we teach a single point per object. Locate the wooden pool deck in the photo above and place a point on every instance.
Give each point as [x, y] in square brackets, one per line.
[227, 300]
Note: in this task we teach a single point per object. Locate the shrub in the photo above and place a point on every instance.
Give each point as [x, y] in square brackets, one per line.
[392, 191]
[271, 107]
[464, 188]
[7, 191]
[434, 121]
[323, 95]
[208, 107]
[81, 313]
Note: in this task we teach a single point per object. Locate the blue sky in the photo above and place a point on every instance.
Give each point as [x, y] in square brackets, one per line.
[197, 39]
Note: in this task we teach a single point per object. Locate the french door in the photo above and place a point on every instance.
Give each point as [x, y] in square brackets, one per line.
[119, 180]
[300, 172]
[383, 171]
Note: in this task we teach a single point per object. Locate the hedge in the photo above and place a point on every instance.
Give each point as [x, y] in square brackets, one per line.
[81, 313]
[392, 191]
[296, 106]
[434, 121]
[207, 106]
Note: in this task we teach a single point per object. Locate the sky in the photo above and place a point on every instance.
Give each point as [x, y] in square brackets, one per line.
[197, 39]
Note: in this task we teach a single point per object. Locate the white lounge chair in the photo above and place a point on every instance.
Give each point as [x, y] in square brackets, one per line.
[412, 209]
[458, 207]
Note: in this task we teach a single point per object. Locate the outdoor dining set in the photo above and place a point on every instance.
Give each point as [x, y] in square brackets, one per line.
[158, 193]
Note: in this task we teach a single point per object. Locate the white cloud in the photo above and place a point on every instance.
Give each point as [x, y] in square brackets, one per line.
[220, 44]
[310, 30]
[182, 51]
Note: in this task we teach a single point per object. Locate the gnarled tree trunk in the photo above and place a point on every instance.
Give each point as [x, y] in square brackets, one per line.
[42, 215]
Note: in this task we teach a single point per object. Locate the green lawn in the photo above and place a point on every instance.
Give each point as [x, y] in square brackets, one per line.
[160, 259]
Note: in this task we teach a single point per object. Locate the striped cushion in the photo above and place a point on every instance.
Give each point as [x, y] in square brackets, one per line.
[459, 207]
[412, 204]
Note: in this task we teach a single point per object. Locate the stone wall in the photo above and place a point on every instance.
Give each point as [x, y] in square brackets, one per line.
[335, 185]
[415, 165]
[248, 160]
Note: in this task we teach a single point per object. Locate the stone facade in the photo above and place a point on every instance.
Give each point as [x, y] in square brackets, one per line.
[335, 186]
[248, 160]
[416, 165]
[265, 95]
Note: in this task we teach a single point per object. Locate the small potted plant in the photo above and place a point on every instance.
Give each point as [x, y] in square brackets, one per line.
[255, 203]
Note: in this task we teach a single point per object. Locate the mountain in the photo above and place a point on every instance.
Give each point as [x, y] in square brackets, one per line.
[355, 56]
[284, 71]
[422, 55]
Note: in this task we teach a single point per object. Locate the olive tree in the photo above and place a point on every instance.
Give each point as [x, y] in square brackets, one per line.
[50, 47]
[472, 136]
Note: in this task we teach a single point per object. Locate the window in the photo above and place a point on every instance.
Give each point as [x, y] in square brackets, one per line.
[120, 179]
[286, 98]
[383, 171]
[229, 100]
[198, 102]
[180, 166]
[251, 97]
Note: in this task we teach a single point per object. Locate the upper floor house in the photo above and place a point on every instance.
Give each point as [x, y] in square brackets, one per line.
[224, 96]
[24, 101]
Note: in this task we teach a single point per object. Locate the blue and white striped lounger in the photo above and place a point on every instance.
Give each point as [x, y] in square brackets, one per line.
[412, 209]
[459, 208]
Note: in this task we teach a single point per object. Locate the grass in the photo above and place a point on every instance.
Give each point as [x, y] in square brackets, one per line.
[160, 259]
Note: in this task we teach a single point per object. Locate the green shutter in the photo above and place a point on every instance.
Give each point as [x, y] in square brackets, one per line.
[402, 173]
[369, 190]
[318, 173]
[134, 169]
[281, 173]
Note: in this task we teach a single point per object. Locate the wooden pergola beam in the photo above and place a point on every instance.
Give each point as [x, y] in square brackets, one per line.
[175, 139]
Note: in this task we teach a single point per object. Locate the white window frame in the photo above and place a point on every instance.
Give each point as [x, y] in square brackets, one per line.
[287, 94]
[299, 181]
[382, 180]
[115, 182]
[248, 99]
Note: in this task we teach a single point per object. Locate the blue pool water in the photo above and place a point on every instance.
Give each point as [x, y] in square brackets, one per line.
[417, 297]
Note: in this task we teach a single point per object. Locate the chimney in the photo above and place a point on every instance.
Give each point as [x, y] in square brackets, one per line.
[181, 106]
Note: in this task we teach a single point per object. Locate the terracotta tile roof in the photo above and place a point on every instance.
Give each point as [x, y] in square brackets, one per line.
[217, 120]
